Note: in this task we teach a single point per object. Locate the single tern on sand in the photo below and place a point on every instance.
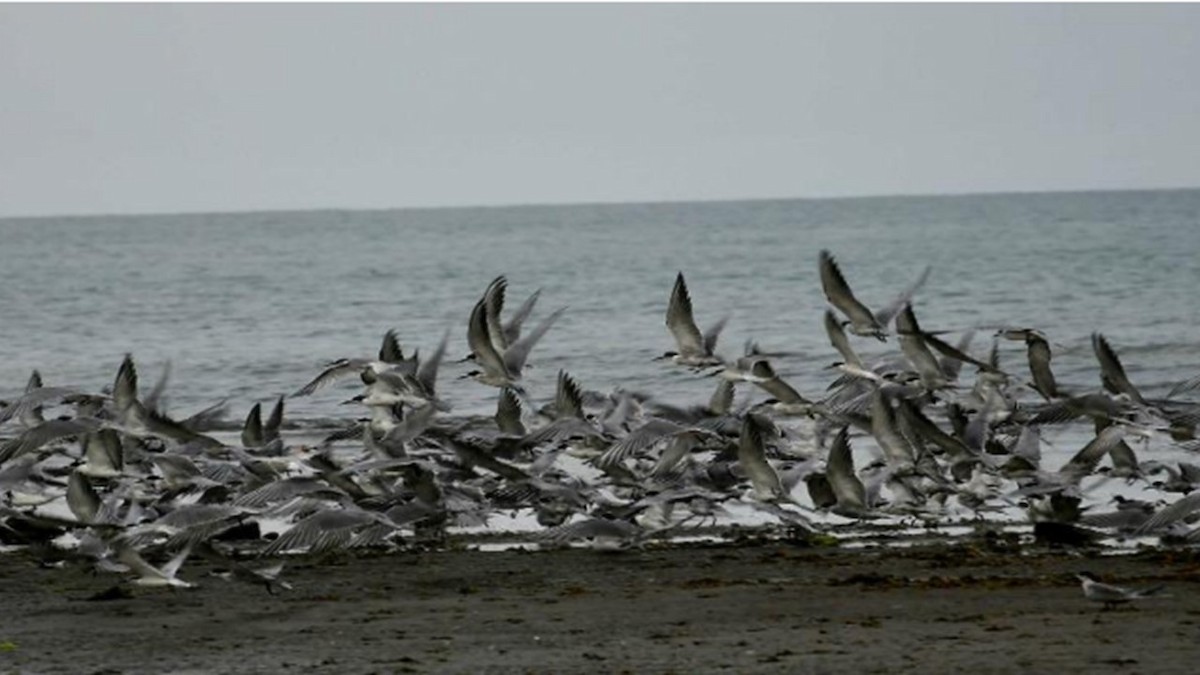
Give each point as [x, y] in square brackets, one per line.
[1110, 595]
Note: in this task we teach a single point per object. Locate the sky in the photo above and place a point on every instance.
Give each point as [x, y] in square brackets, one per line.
[186, 108]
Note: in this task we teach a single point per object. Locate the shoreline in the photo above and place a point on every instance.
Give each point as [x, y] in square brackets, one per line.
[766, 606]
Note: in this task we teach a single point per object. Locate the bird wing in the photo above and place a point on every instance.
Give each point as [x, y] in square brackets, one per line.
[1112, 373]
[252, 430]
[1179, 510]
[915, 347]
[721, 400]
[336, 371]
[568, 401]
[480, 341]
[389, 350]
[883, 427]
[782, 391]
[681, 322]
[274, 421]
[125, 385]
[713, 333]
[753, 460]
[104, 448]
[637, 440]
[950, 366]
[82, 498]
[885, 314]
[493, 299]
[1038, 353]
[1184, 387]
[508, 413]
[512, 327]
[839, 470]
[427, 372]
[837, 338]
[838, 292]
[1085, 461]
[518, 352]
[155, 400]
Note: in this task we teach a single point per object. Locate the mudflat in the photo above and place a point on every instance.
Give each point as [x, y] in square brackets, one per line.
[755, 606]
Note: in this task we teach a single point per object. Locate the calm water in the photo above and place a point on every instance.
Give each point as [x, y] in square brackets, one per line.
[249, 306]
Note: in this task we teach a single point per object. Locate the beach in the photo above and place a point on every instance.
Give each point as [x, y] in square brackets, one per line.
[750, 606]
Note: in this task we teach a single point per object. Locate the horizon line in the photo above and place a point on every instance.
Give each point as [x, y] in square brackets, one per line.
[638, 202]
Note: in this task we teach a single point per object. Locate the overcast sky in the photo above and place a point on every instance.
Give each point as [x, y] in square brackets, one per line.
[134, 108]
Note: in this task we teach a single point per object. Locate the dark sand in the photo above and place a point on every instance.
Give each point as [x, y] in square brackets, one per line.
[755, 607]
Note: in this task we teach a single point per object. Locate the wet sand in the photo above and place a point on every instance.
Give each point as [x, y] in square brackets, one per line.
[754, 607]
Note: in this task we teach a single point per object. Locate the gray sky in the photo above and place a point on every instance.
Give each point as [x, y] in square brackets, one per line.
[137, 108]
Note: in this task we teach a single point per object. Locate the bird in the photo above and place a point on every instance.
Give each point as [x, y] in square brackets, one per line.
[600, 533]
[1038, 354]
[257, 434]
[1111, 596]
[752, 459]
[1112, 373]
[505, 333]
[149, 575]
[915, 347]
[693, 348]
[848, 489]
[837, 338]
[328, 529]
[784, 400]
[501, 367]
[141, 421]
[109, 477]
[861, 320]
[391, 357]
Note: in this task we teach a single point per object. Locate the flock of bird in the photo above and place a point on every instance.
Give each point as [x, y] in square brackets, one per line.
[112, 481]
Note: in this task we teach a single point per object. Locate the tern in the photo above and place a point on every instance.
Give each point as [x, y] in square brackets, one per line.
[862, 321]
[693, 348]
[1038, 354]
[149, 575]
[391, 357]
[1110, 595]
[1112, 373]
[501, 367]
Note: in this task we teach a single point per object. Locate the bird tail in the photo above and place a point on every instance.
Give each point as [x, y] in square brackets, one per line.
[1155, 590]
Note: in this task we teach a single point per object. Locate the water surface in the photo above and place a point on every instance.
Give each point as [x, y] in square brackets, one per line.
[248, 306]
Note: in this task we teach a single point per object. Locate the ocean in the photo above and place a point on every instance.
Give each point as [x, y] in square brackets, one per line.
[248, 306]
